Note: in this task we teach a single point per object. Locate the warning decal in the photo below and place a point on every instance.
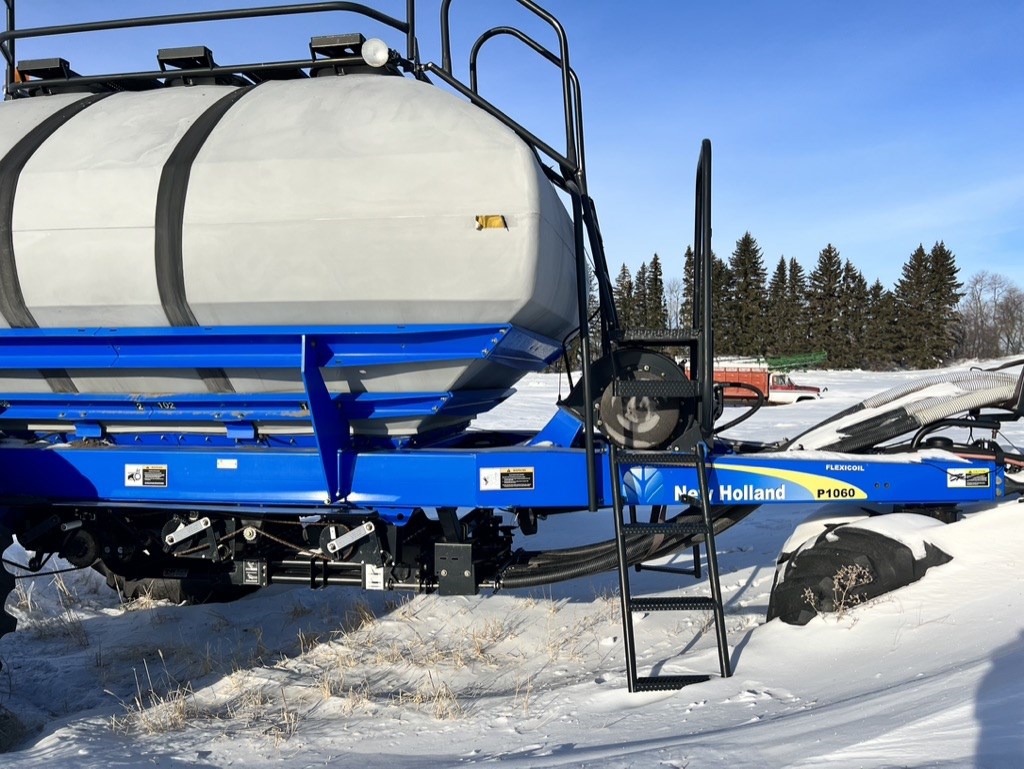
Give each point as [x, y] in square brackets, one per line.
[968, 479]
[146, 475]
[507, 479]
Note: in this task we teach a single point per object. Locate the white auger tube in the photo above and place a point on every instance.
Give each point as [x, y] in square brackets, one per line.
[906, 408]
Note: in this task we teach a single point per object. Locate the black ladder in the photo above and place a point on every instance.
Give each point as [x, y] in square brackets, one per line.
[704, 527]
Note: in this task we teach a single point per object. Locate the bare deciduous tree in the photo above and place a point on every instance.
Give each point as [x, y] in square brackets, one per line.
[992, 317]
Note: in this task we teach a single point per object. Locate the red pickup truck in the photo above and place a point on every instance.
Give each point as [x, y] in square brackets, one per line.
[777, 387]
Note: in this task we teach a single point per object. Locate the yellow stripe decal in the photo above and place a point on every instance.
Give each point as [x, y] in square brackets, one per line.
[819, 486]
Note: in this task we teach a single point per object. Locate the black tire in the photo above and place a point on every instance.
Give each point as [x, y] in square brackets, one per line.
[804, 583]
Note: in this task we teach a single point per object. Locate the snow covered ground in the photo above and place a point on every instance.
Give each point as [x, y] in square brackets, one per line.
[927, 676]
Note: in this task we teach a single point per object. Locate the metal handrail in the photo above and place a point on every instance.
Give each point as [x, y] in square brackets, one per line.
[12, 34]
[702, 359]
[576, 93]
[563, 47]
[569, 167]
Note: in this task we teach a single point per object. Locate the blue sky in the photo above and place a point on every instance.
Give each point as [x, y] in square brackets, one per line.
[874, 125]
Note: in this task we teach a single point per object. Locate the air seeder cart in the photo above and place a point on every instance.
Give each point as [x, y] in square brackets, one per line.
[250, 310]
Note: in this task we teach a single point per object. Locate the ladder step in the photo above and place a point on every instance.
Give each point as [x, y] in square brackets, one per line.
[667, 683]
[656, 336]
[681, 603]
[668, 570]
[656, 458]
[656, 388]
[679, 527]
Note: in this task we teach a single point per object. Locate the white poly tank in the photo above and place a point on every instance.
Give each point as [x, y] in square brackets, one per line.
[346, 200]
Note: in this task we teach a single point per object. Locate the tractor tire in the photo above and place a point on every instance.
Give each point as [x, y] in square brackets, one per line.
[805, 581]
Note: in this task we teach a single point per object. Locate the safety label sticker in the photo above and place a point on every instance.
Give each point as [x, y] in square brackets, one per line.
[977, 478]
[146, 475]
[507, 479]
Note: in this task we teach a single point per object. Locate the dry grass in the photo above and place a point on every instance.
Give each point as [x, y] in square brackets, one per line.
[845, 582]
[65, 623]
[143, 601]
[157, 710]
[286, 722]
[425, 657]
[308, 641]
[434, 697]
[359, 616]
[521, 699]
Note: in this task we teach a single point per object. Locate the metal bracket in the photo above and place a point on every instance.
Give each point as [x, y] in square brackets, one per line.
[350, 538]
[330, 426]
[453, 567]
[251, 572]
[185, 532]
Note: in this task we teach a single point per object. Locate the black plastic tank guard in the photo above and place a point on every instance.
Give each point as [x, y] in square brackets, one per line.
[170, 218]
[12, 300]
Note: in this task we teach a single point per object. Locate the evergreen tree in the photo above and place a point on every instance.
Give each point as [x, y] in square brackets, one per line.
[623, 293]
[852, 309]
[796, 330]
[686, 306]
[822, 291]
[913, 297]
[593, 312]
[777, 315]
[721, 282]
[946, 295]
[657, 309]
[880, 335]
[640, 307]
[747, 299]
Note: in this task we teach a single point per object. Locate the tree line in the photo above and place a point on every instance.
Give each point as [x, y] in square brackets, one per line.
[927, 319]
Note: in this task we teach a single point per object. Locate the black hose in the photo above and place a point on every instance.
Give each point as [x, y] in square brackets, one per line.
[840, 415]
[749, 412]
[546, 567]
[594, 548]
[894, 428]
[636, 551]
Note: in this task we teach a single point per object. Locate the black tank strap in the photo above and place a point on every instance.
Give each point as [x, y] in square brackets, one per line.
[12, 300]
[170, 216]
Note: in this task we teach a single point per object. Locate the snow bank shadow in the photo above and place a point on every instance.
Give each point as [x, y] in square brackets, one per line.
[999, 709]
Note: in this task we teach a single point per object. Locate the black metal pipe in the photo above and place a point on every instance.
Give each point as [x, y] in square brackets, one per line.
[335, 579]
[7, 48]
[568, 166]
[577, 96]
[446, 36]
[628, 641]
[712, 559]
[702, 313]
[171, 74]
[563, 47]
[223, 15]
[412, 46]
[582, 296]
[609, 314]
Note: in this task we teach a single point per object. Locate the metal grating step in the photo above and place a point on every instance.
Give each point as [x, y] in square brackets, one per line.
[681, 603]
[679, 527]
[666, 683]
[656, 458]
[655, 388]
[656, 336]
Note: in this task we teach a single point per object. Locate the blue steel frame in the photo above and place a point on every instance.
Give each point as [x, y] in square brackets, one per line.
[318, 464]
